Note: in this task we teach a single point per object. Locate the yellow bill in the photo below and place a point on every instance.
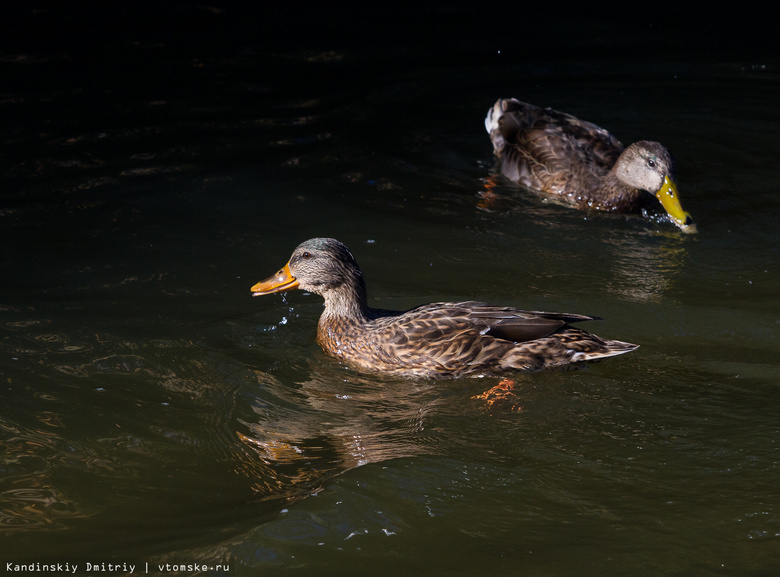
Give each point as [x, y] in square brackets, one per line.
[281, 281]
[671, 202]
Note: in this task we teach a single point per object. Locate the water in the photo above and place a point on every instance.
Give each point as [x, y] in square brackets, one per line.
[153, 412]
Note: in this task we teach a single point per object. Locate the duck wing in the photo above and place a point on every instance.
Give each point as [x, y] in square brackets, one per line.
[547, 149]
[519, 326]
[505, 323]
[593, 144]
[561, 142]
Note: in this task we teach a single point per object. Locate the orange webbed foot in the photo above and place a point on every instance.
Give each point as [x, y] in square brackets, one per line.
[501, 396]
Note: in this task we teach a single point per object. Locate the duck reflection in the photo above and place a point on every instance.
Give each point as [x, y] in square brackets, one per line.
[333, 421]
[640, 264]
[643, 271]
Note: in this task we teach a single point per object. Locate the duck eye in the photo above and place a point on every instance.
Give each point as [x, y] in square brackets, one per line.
[306, 255]
[651, 162]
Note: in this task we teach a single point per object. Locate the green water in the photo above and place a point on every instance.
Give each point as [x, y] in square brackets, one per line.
[152, 412]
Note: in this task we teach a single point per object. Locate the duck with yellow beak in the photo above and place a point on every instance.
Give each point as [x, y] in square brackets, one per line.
[578, 164]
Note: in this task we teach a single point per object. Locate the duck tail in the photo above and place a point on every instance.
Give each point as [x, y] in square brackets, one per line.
[494, 113]
[604, 350]
[506, 118]
[491, 125]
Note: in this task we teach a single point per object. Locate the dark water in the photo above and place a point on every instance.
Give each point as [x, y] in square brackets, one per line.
[157, 164]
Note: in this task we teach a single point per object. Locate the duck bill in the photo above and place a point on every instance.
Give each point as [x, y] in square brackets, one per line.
[280, 282]
[670, 200]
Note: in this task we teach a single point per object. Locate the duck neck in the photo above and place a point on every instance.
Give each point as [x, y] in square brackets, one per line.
[346, 303]
[626, 198]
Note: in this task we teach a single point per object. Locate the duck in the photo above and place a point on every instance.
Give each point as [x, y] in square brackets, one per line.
[581, 165]
[436, 340]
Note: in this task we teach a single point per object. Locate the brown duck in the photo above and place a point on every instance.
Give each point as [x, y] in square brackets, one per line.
[462, 339]
[580, 164]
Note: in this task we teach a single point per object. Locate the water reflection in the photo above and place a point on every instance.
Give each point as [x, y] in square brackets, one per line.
[637, 260]
[29, 497]
[101, 425]
[644, 266]
[332, 422]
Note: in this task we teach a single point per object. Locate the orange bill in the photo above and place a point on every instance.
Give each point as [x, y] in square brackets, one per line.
[671, 202]
[280, 282]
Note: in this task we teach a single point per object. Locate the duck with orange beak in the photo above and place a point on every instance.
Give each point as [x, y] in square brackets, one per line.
[437, 340]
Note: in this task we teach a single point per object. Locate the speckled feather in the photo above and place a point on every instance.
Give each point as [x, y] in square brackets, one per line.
[463, 339]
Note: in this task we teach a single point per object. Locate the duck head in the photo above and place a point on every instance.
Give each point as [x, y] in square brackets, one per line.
[318, 265]
[647, 165]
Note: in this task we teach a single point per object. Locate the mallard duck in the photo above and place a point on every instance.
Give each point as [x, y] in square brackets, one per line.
[580, 164]
[458, 339]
